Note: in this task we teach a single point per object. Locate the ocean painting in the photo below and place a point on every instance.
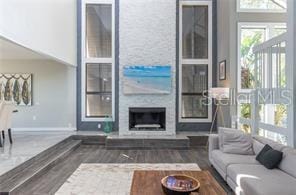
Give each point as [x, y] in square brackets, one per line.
[147, 79]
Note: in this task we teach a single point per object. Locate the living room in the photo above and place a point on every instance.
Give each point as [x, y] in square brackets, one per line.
[128, 96]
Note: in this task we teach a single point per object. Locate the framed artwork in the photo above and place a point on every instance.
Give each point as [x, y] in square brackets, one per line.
[222, 70]
[16, 88]
[147, 79]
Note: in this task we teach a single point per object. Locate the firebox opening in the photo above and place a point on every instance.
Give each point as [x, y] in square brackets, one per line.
[147, 119]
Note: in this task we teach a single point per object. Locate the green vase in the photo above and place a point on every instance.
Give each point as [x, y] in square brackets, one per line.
[107, 127]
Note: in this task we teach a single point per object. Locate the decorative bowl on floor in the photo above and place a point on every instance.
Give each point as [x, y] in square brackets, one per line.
[179, 185]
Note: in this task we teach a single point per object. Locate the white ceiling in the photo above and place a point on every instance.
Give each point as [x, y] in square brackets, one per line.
[10, 51]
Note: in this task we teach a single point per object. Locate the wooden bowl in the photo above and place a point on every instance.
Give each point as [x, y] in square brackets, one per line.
[180, 191]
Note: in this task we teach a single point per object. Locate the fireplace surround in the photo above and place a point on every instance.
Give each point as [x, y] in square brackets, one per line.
[147, 119]
[150, 51]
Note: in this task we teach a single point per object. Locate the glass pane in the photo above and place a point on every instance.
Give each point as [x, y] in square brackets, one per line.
[194, 106]
[278, 61]
[194, 78]
[246, 128]
[99, 77]
[99, 105]
[98, 30]
[278, 31]
[245, 110]
[273, 136]
[249, 38]
[274, 114]
[264, 4]
[280, 115]
[195, 32]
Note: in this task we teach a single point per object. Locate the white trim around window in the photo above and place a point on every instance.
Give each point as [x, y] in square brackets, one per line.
[252, 10]
[85, 60]
[185, 62]
[268, 33]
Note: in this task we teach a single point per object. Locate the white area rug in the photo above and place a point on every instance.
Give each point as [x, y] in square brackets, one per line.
[110, 179]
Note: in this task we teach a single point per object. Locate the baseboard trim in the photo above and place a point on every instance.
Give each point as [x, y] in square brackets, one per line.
[45, 129]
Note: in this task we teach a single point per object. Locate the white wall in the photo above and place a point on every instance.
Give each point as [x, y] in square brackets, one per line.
[223, 51]
[45, 26]
[291, 59]
[147, 37]
[54, 95]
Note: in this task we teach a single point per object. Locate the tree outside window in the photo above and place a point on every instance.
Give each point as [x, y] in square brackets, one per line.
[249, 38]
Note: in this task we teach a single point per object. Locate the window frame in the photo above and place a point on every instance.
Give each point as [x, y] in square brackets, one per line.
[91, 60]
[252, 10]
[184, 62]
[268, 33]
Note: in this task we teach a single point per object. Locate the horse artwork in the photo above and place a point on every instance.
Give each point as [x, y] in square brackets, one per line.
[16, 88]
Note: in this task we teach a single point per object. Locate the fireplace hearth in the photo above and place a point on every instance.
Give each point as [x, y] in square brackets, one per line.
[147, 119]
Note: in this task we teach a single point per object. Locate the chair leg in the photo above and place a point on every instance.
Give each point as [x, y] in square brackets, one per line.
[3, 135]
[9, 134]
[1, 142]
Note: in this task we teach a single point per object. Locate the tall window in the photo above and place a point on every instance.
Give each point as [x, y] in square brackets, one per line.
[261, 5]
[262, 70]
[195, 66]
[250, 35]
[97, 60]
[262, 59]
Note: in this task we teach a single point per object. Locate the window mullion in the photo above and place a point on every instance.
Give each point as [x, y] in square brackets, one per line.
[195, 61]
[98, 60]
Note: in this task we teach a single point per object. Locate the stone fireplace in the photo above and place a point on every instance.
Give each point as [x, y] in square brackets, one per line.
[155, 46]
[143, 119]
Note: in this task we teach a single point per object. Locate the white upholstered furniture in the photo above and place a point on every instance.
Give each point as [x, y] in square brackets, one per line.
[6, 111]
[246, 176]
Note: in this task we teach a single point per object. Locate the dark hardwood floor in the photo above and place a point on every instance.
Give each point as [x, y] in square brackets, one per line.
[50, 182]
